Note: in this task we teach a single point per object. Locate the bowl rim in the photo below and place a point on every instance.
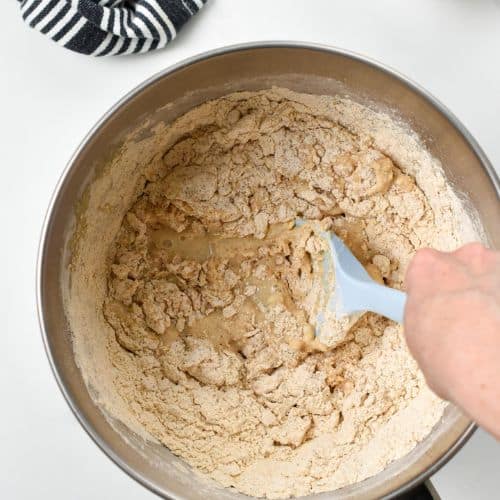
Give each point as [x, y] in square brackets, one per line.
[415, 87]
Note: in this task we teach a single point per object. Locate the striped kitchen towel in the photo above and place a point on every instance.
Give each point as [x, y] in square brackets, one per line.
[109, 27]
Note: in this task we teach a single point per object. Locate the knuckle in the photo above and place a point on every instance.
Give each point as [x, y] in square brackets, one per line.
[425, 255]
[422, 259]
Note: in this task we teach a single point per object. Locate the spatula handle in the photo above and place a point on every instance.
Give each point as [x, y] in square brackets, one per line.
[385, 301]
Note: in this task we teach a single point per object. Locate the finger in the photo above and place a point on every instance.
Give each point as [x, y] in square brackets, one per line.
[478, 258]
[422, 268]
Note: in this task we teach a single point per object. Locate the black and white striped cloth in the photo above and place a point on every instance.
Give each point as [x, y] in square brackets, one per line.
[109, 27]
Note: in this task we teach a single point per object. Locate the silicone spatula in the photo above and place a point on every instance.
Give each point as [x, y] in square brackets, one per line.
[355, 291]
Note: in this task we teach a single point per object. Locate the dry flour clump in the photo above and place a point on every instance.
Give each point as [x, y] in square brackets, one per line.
[212, 293]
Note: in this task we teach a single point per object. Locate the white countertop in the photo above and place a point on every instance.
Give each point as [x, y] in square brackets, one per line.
[51, 97]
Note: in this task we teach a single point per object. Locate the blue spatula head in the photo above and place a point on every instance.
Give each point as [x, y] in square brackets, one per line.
[353, 291]
[351, 279]
[356, 291]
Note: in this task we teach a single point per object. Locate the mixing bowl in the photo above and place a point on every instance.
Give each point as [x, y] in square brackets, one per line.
[300, 67]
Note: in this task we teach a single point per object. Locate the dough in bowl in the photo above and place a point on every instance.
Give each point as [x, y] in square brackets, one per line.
[205, 294]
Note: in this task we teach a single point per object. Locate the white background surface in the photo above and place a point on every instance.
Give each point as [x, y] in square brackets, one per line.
[49, 99]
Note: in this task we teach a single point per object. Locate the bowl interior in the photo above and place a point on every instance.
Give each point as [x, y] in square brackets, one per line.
[169, 95]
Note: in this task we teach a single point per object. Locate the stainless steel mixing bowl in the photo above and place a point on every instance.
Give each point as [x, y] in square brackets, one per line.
[301, 67]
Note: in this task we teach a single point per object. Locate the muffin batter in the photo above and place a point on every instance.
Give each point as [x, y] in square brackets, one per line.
[212, 293]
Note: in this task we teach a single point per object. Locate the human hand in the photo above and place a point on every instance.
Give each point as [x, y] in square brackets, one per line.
[452, 327]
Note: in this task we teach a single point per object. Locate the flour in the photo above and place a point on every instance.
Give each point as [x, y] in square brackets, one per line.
[213, 294]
